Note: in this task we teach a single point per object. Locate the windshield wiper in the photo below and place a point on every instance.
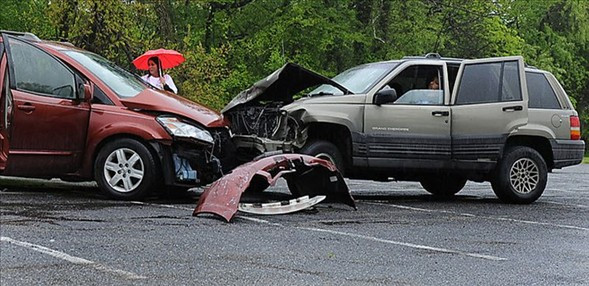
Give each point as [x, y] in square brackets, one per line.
[320, 93]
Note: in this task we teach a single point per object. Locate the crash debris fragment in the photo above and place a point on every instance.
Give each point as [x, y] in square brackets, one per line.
[305, 176]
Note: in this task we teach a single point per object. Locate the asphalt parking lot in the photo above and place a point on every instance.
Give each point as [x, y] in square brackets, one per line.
[68, 234]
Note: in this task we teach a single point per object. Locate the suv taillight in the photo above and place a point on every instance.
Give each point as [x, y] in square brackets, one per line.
[575, 128]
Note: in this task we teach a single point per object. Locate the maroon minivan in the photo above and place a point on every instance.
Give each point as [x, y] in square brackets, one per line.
[68, 113]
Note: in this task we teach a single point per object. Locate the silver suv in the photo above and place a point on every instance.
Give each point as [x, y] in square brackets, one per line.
[491, 119]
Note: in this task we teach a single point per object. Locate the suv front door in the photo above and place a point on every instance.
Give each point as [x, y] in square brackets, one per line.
[414, 130]
[49, 120]
[490, 101]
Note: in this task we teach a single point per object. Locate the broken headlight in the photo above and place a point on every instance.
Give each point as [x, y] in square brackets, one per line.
[178, 128]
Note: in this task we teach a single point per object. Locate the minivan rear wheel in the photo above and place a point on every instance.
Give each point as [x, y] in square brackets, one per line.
[125, 169]
[521, 176]
[443, 186]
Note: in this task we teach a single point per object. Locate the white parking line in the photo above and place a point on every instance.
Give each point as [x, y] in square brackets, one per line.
[412, 245]
[162, 206]
[72, 259]
[483, 217]
[565, 204]
[417, 246]
[191, 209]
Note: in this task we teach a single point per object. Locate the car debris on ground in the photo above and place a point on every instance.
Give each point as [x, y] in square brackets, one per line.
[305, 175]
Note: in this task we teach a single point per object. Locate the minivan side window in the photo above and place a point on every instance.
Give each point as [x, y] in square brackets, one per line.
[36, 71]
[489, 82]
[540, 92]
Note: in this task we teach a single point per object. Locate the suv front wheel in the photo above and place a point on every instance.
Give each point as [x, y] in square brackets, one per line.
[443, 186]
[326, 151]
[521, 176]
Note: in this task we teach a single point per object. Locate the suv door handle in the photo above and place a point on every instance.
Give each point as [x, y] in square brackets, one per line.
[27, 107]
[440, 113]
[513, 108]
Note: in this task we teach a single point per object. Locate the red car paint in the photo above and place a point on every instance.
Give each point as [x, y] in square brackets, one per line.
[308, 175]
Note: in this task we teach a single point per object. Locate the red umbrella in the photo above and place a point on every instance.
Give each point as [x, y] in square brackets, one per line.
[168, 59]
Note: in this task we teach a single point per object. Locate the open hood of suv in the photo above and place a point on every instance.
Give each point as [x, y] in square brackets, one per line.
[154, 100]
[281, 86]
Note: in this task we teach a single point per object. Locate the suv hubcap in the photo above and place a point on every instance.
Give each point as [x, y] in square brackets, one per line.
[524, 175]
[123, 170]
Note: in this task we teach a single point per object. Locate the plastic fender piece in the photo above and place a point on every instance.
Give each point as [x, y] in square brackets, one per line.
[304, 174]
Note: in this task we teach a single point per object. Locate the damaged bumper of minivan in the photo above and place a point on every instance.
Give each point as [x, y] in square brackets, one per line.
[305, 176]
[196, 156]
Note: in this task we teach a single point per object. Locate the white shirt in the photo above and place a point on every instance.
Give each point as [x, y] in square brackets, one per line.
[155, 81]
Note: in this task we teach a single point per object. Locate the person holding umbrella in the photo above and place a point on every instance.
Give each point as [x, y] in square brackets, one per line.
[154, 76]
[154, 61]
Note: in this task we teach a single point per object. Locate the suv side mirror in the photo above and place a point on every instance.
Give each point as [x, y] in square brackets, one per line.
[385, 96]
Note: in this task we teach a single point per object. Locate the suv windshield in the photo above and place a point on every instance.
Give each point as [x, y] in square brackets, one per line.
[358, 79]
[122, 82]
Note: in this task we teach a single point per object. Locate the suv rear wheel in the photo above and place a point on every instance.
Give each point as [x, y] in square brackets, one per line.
[326, 151]
[125, 169]
[521, 176]
[443, 186]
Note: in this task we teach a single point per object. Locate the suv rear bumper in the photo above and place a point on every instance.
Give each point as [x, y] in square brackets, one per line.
[567, 152]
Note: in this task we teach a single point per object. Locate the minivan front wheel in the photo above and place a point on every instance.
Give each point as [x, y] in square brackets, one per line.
[521, 176]
[125, 169]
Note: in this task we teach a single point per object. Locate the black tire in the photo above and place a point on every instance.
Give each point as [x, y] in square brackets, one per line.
[325, 150]
[443, 186]
[123, 179]
[521, 176]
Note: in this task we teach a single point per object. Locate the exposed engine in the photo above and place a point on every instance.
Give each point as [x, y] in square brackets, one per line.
[267, 121]
[263, 128]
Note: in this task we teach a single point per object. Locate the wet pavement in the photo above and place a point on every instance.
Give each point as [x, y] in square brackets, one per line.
[68, 234]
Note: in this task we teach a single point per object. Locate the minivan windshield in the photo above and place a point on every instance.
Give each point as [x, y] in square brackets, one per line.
[122, 82]
[358, 79]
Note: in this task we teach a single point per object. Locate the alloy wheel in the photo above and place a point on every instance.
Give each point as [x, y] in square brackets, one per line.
[124, 170]
[524, 175]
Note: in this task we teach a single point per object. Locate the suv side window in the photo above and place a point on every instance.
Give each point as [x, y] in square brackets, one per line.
[36, 71]
[489, 82]
[413, 85]
[541, 94]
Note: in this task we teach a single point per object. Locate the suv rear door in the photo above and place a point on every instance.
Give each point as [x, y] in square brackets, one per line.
[50, 120]
[490, 101]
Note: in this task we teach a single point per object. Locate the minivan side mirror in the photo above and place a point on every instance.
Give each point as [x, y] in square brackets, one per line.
[87, 93]
[385, 96]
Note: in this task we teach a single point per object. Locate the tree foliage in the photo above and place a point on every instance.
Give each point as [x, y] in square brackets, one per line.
[230, 44]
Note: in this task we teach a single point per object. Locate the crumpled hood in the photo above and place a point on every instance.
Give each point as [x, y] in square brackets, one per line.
[154, 100]
[281, 86]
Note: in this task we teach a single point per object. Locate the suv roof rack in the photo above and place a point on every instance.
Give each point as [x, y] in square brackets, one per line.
[430, 56]
[24, 35]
